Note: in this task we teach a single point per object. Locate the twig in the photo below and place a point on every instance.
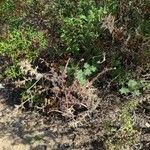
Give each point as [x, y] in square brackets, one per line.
[104, 58]
[146, 75]
[55, 111]
[21, 105]
[34, 84]
[65, 70]
[100, 74]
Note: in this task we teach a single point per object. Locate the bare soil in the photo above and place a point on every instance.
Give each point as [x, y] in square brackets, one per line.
[32, 131]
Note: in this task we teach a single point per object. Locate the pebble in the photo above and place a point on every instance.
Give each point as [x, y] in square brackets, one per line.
[1, 86]
[1, 114]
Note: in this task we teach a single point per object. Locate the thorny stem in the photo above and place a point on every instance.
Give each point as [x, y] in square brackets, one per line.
[22, 104]
[34, 84]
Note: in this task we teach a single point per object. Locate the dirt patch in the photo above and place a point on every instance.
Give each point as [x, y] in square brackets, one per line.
[32, 131]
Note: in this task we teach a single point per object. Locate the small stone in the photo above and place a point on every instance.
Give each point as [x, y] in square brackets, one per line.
[147, 124]
[1, 86]
[1, 114]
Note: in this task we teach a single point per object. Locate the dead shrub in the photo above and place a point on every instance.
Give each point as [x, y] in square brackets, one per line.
[50, 92]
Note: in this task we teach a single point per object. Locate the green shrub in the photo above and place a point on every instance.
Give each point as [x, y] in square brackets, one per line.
[81, 24]
[12, 12]
[21, 44]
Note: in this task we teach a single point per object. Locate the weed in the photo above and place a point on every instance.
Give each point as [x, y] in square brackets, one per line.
[74, 30]
[82, 75]
[134, 87]
[125, 136]
[51, 92]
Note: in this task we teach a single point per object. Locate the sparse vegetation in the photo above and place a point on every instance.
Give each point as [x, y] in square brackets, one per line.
[66, 57]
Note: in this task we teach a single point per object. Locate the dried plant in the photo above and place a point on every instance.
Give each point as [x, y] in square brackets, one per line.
[50, 91]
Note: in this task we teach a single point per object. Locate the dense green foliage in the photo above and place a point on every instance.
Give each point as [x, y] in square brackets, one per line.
[73, 41]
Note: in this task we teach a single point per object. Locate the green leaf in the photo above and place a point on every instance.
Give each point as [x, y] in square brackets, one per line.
[124, 90]
[82, 81]
[132, 84]
[87, 72]
[93, 69]
[136, 93]
[83, 17]
[79, 73]
[86, 65]
[80, 77]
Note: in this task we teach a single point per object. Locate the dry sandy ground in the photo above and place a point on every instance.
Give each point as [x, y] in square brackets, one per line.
[16, 132]
[30, 131]
[7, 141]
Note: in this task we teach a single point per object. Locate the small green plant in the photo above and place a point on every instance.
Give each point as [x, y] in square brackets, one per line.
[125, 136]
[134, 87]
[82, 74]
[22, 43]
[126, 118]
[12, 72]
